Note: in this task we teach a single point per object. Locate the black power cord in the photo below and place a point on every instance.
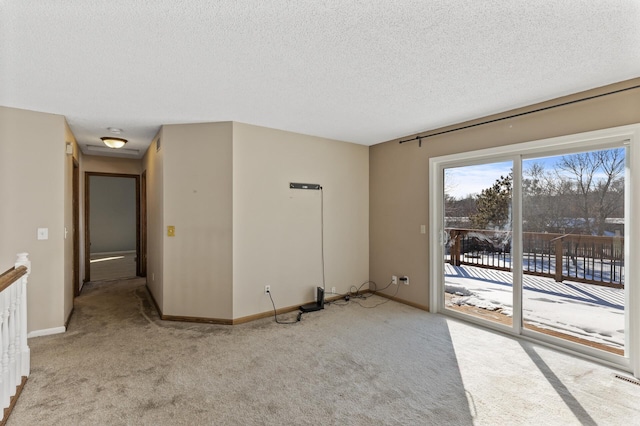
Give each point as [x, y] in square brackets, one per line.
[374, 292]
[275, 315]
[322, 234]
[344, 300]
[353, 295]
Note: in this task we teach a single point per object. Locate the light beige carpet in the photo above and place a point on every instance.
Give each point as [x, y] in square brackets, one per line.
[118, 364]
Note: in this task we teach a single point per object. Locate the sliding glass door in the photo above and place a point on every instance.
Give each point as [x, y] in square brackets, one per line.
[573, 247]
[534, 240]
[478, 229]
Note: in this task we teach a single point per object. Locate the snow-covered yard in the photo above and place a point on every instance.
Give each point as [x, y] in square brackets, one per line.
[586, 311]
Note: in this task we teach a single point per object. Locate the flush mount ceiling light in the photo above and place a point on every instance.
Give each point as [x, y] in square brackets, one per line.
[112, 142]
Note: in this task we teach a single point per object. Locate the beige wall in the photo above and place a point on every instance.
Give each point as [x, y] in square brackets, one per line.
[197, 191]
[152, 163]
[276, 230]
[33, 189]
[127, 166]
[225, 188]
[399, 181]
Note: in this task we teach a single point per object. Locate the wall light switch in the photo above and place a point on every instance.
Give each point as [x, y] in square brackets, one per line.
[43, 233]
[171, 231]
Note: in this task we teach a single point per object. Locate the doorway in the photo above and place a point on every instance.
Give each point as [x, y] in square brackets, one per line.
[112, 226]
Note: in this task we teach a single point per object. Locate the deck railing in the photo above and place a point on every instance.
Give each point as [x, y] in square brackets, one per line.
[15, 357]
[581, 258]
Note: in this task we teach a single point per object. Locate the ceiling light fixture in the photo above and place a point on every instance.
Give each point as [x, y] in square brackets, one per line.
[112, 142]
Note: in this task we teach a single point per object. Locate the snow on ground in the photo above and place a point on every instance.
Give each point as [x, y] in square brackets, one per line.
[588, 311]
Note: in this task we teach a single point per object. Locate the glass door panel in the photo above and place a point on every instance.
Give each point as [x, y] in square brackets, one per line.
[478, 229]
[573, 247]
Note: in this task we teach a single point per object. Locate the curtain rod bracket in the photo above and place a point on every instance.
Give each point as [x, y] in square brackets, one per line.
[417, 138]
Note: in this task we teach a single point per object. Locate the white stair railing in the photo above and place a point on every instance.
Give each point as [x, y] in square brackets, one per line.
[15, 356]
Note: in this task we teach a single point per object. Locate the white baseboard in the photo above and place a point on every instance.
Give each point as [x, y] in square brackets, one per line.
[46, 332]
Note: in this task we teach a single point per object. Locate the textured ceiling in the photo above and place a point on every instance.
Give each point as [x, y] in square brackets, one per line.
[358, 71]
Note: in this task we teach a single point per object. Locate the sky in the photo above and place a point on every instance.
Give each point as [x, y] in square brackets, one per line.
[467, 180]
[462, 181]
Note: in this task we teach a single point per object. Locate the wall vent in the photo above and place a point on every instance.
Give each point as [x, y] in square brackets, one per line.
[627, 379]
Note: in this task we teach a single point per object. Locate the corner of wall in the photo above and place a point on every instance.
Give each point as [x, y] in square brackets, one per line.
[152, 165]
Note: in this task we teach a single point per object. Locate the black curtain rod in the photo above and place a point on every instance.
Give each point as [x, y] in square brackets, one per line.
[419, 138]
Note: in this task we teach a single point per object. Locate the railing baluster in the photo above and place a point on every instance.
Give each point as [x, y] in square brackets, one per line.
[18, 320]
[25, 352]
[12, 337]
[14, 350]
[4, 397]
[568, 256]
[6, 388]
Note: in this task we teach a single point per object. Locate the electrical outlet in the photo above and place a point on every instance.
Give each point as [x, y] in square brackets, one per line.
[394, 279]
[267, 289]
[405, 280]
[333, 290]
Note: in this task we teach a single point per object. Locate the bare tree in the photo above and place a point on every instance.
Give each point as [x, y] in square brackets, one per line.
[598, 179]
[450, 201]
[546, 197]
[610, 188]
[457, 209]
[537, 193]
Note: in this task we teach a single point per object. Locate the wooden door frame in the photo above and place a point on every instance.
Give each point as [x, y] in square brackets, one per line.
[142, 256]
[87, 211]
[75, 203]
